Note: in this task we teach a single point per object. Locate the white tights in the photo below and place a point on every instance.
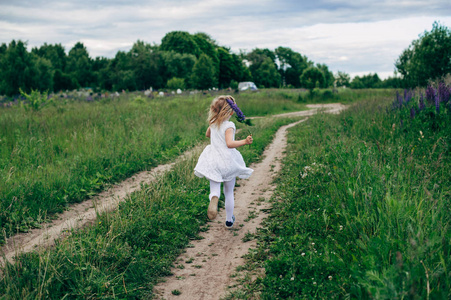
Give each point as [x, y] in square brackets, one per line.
[215, 190]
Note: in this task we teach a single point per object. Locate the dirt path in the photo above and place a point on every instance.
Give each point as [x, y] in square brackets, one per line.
[86, 212]
[204, 270]
[208, 265]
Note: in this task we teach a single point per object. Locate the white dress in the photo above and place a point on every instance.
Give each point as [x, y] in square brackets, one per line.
[218, 162]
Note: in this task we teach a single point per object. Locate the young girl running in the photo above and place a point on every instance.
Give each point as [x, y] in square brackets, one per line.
[220, 161]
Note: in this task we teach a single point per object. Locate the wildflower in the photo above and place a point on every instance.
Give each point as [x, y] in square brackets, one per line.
[412, 113]
[444, 92]
[330, 277]
[313, 244]
[280, 276]
[421, 104]
[303, 254]
[239, 114]
[430, 94]
[314, 282]
[292, 278]
[341, 227]
[437, 102]
[399, 99]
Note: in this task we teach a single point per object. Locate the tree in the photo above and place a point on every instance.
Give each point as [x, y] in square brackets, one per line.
[180, 42]
[204, 73]
[312, 77]
[145, 64]
[42, 74]
[369, 81]
[15, 69]
[177, 65]
[54, 53]
[263, 68]
[357, 83]
[122, 76]
[79, 65]
[342, 79]
[428, 57]
[267, 75]
[231, 68]
[328, 76]
[291, 65]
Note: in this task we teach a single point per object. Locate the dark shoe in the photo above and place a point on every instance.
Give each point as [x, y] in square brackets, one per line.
[230, 224]
[213, 208]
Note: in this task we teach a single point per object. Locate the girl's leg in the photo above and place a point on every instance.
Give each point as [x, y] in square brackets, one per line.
[215, 191]
[229, 198]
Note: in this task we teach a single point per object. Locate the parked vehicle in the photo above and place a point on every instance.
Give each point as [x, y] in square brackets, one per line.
[247, 85]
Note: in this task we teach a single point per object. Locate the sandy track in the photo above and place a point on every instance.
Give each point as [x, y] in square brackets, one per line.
[85, 213]
[82, 214]
[216, 257]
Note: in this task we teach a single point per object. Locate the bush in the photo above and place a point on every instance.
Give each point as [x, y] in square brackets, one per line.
[176, 83]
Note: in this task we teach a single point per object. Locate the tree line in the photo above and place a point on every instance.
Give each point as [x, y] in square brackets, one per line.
[196, 61]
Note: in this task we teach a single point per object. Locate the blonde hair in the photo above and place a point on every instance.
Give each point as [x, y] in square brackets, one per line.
[220, 110]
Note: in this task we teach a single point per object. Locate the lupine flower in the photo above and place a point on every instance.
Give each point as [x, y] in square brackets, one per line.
[399, 99]
[444, 92]
[239, 114]
[421, 104]
[437, 102]
[412, 113]
[430, 94]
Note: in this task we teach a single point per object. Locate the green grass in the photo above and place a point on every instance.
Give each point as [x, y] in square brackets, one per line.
[362, 210]
[69, 150]
[125, 253]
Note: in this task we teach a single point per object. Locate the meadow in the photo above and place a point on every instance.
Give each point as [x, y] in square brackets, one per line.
[128, 250]
[69, 150]
[362, 208]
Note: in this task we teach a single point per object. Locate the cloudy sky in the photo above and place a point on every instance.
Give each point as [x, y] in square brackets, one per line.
[356, 37]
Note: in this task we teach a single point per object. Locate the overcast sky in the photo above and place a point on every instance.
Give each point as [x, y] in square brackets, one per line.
[357, 37]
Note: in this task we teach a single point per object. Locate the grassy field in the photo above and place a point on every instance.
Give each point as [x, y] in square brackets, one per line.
[127, 251]
[69, 150]
[362, 209]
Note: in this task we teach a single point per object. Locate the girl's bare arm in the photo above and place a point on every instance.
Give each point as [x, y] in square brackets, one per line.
[208, 132]
[235, 144]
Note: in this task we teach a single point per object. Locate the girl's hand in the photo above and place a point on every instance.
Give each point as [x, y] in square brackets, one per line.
[249, 140]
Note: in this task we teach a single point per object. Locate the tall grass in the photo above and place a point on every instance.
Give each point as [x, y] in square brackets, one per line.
[362, 209]
[69, 150]
[126, 251]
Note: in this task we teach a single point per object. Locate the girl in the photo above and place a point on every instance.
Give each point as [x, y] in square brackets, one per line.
[220, 161]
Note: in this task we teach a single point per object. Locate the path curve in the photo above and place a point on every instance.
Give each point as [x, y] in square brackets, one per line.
[82, 214]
